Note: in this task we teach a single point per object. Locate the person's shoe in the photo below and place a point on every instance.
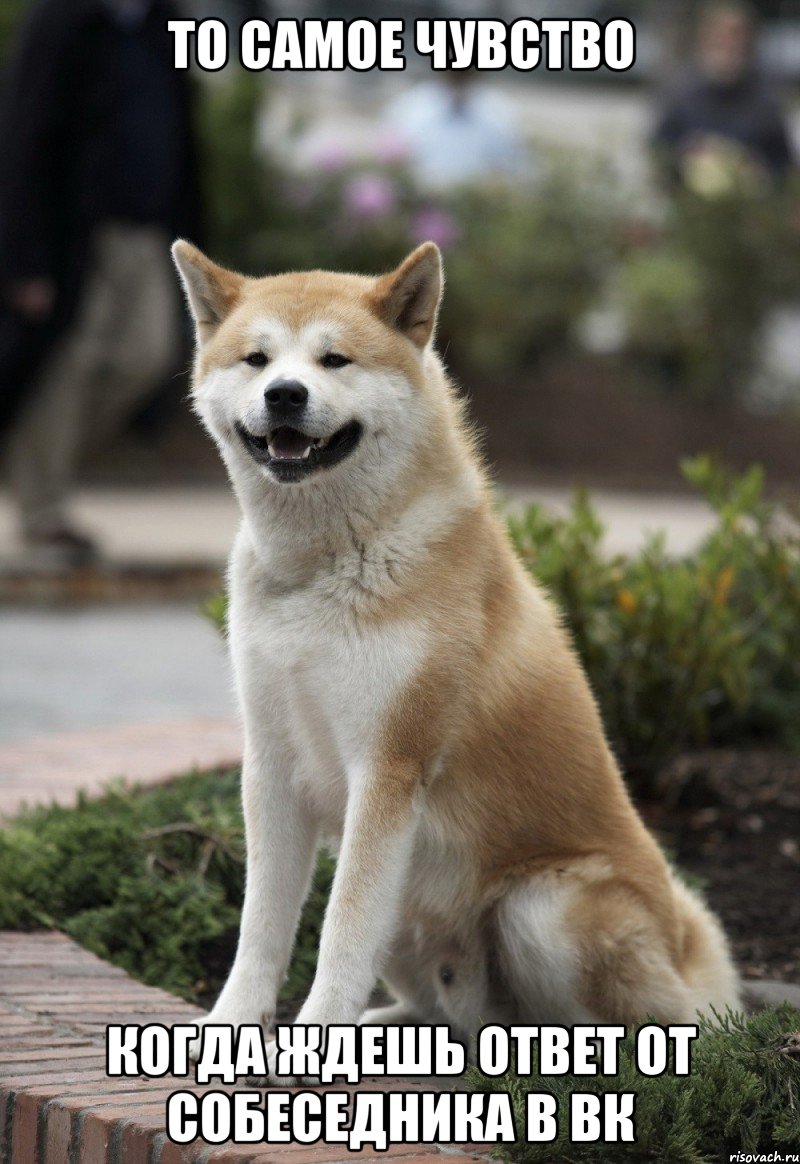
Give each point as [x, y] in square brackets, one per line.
[60, 548]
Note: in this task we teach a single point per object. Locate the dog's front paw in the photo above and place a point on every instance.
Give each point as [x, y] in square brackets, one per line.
[226, 1017]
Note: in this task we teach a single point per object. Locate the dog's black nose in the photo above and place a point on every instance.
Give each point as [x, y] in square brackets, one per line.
[286, 397]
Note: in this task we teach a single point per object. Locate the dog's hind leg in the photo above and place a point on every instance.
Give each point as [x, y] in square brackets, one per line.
[578, 952]
[540, 961]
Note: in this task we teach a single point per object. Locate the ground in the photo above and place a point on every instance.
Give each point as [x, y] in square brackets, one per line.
[735, 827]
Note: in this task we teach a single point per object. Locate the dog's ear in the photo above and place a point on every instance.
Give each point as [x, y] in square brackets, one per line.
[211, 291]
[408, 298]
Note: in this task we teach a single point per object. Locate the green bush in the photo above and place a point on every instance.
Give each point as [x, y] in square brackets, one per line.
[681, 652]
[11, 14]
[741, 1095]
[151, 880]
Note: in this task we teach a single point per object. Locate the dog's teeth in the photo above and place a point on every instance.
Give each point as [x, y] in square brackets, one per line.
[307, 452]
[271, 451]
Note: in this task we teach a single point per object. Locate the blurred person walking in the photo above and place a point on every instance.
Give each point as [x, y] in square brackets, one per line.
[97, 174]
[723, 125]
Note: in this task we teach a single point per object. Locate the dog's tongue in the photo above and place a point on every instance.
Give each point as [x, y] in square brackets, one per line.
[288, 443]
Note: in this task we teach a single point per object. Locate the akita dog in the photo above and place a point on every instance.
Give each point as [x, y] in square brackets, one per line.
[409, 694]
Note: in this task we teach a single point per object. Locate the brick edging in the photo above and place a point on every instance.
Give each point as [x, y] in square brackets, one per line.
[58, 1106]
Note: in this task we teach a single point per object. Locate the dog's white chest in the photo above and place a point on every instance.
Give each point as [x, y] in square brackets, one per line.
[326, 683]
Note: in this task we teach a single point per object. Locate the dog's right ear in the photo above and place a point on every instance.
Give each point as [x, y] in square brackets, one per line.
[212, 292]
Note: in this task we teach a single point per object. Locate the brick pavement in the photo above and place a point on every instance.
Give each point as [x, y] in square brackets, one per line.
[57, 1106]
[57, 768]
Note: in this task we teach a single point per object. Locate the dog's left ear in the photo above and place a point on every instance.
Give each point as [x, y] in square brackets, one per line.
[408, 298]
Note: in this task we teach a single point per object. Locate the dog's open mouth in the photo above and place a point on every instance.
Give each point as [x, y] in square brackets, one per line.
[291, 454]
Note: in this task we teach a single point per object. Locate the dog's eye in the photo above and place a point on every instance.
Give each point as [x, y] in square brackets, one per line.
[256, 360]
[334, 360]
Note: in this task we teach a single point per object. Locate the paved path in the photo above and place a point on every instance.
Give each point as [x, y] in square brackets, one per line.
[155, 526]
[198, 525]
[89, 695]
[66, 670]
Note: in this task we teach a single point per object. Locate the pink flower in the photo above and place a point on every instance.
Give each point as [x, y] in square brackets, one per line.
[391, 149]
[370, 196]
[331, 158]
[437, 225]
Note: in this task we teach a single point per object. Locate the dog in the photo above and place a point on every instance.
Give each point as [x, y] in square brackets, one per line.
[409, 694]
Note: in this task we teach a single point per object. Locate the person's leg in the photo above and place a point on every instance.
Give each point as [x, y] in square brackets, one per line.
[146, 326]
[44, 445]
[124, 338]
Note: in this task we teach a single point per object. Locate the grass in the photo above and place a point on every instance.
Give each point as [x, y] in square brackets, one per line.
[742, 1095]
[149, 879]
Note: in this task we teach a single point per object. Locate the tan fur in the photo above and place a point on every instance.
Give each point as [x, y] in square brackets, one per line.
[495, 741]
[530, 787]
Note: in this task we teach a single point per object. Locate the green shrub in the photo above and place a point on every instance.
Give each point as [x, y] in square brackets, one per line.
[741, 1095]
[681, 652]
[215, 609]
[151, 880]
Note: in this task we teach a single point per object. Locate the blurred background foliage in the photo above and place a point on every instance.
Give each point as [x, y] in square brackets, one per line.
[694, 295]
[684, 290]
[685, 293]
